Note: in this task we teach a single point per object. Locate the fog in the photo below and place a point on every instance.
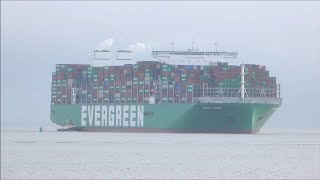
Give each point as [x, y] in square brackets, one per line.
[284, 36]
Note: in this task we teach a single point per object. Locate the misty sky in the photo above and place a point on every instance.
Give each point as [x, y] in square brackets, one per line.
[284, 36]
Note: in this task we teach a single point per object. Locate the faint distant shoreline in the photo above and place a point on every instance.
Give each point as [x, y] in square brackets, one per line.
[289, 131]
[28, 130]
[262, 132]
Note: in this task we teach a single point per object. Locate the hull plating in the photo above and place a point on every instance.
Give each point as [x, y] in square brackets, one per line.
[180, 118]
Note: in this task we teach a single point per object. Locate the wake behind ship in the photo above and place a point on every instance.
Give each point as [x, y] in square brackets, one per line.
[173, 91]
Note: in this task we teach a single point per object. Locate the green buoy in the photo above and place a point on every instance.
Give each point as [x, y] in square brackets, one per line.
[40, 130]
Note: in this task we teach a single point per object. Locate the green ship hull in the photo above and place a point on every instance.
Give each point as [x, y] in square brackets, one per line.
[170, 117]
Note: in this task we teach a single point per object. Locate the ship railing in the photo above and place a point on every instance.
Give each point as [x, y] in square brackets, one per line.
[237, 100]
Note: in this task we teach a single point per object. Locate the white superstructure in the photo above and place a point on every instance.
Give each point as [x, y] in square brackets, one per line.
[189, 57]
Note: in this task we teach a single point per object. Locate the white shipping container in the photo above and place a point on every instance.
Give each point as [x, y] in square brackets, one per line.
[164, 86]
[213, 64]
[70, 81]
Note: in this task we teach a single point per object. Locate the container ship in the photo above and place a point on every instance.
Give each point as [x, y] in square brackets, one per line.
[187, 91]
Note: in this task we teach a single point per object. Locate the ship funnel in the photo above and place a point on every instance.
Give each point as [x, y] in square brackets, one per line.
[101, 54]
[123, 55]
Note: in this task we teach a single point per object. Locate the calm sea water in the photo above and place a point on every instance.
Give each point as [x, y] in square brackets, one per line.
[79, 155]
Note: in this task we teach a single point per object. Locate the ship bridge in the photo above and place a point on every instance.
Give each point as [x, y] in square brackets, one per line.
[194, 57]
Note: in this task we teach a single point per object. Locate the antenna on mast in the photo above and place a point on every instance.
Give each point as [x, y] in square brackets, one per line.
[192, 45]
[216, 44]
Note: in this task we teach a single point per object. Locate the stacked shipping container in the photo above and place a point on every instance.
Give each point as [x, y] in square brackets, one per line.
[167, 83]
